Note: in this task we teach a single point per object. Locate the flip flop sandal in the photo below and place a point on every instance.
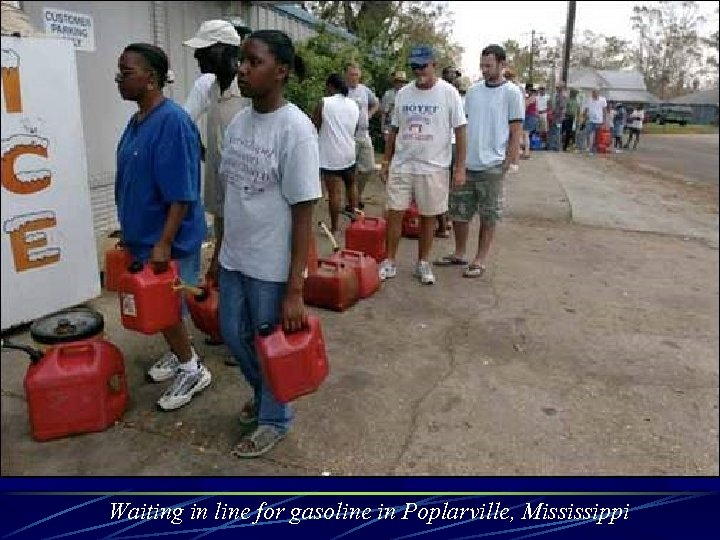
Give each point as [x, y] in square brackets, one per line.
[257, 443]
[248, 413]
[474, 271]
[450, 260]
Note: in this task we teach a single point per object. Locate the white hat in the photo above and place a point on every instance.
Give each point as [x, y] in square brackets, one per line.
[212, 32]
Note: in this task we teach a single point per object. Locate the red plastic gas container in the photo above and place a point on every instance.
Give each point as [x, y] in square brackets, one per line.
[411, 222]
[294, 364]
[117, 261]
[333, 286]
[149, 302]
[367, 234]
[365, 267]
[77, 385]
[604, 141]
[203, 310]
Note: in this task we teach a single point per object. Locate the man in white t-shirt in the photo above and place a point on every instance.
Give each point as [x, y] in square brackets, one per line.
[369, 105]
[387, 103]
[417, 157]
[495, 113]
[595, 115]
[216, 93]
[635, 121]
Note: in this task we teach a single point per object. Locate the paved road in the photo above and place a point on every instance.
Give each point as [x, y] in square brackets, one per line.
[694, 156]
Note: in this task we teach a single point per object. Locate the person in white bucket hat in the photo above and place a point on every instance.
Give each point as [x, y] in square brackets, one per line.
[215, 92]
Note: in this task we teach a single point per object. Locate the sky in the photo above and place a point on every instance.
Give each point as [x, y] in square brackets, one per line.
[478, 24]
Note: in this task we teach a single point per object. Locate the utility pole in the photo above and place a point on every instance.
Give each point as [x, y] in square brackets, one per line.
[569, 29]
[532, 54]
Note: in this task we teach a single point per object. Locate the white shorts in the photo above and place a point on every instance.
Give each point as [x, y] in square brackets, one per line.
[430, 192]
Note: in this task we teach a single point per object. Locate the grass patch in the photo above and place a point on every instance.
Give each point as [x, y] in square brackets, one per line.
[675, 129]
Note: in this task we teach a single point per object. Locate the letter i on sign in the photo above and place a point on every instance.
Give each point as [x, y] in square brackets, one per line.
[11, 81]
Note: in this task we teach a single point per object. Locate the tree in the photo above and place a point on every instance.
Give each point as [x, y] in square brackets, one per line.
[669, 53]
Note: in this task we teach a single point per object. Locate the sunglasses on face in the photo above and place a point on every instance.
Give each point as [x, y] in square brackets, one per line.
[418, 67]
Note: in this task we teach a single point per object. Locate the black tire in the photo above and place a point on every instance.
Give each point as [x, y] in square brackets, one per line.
[683, 123]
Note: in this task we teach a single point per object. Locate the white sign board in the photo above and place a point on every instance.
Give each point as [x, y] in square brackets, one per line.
[47, 244]
[76, 27]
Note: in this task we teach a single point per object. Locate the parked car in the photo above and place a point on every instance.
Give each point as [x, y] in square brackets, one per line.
[669, 114]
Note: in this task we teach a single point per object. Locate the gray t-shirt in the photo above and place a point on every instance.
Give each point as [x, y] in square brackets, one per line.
[490, 109]
[365, 99]
[270, 162]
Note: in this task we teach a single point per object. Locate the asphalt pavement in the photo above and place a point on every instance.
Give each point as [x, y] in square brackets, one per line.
[692, 156]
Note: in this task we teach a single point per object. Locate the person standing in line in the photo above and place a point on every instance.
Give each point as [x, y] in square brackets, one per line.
[336, 118]
[542, 116]
[417, 158]
[559, 109]
[215, 93]
[531, 120]
[594, 118]
[157, 193]
[618, 126]
[387, 103]
[368, 105]
[636, 123]
[495, 119]
[270, 171]
[570, 120]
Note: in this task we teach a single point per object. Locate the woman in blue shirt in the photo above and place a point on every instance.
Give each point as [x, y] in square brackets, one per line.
[157, 192]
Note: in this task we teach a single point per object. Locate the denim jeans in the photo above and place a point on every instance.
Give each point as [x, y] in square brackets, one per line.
[246, 303]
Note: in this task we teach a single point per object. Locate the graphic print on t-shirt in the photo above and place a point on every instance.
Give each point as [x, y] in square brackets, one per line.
[249, 166]
[419, 122]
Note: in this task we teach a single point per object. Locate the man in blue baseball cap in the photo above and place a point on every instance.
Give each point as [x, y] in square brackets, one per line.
[417, 157]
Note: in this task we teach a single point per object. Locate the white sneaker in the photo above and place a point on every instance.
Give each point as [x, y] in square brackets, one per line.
[165, 368]
[184, 386]
[514, 167]
[423, 271]
[387, 270]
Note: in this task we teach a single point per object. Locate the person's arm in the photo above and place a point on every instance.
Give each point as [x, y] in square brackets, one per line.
[317, 115]
[373, 104]
[294, 316]
[389, 152]
[460, 155]
[513, 148]
[162, 250]
[198, 100]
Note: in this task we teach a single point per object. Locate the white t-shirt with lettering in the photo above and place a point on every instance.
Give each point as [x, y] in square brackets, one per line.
[425, 120]
[490, 110]
[270, 162]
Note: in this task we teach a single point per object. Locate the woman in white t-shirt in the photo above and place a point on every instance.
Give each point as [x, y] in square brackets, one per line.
[336, 118]
[270, 175]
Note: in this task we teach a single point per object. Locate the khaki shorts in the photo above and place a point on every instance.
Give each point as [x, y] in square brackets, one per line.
[430, 192]
[482, 193]
[364, 154]
[542, 124]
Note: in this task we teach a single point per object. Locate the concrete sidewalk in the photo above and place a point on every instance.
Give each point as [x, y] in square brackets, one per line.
[586, 349]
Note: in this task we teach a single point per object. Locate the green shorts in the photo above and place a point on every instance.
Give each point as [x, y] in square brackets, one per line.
[482, 193]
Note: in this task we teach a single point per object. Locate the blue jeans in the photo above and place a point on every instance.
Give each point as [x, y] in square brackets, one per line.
[245, 304]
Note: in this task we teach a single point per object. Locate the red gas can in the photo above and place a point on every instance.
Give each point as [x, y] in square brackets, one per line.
[203, 310]
[117, 261]
[604, 141]
[333, 286]
[411, 222]
[294, 364]
[149, 302]
[365, 267]
[76, 386]
[367, 234]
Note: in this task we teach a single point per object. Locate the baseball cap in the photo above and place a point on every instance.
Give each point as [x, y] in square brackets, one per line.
[212, 32]
[422, 54]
